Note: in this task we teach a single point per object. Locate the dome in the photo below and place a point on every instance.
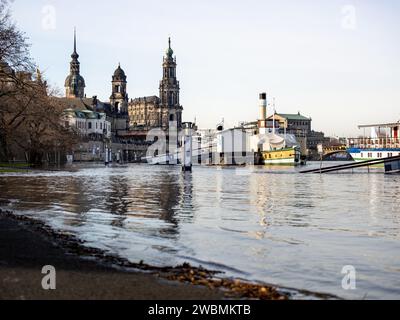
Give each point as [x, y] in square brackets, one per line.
[74, 55]
[74, 80]
[169, 52]
[119, 73]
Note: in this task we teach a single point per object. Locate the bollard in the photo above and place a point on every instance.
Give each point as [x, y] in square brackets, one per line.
[118, 156]
[106, 156]
[187, 146]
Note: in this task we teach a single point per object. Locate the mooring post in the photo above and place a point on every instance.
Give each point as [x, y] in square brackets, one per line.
[106, 156]
[187, 146]
[321, 153]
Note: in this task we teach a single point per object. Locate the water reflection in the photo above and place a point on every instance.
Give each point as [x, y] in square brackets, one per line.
[271, 225]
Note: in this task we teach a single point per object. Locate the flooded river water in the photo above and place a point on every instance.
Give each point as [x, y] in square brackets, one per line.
[273, 225]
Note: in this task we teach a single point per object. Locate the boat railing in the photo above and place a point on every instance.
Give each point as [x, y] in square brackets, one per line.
[374, 143]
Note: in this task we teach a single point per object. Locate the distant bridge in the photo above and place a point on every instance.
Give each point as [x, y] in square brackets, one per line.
[331, 152]
[334, 149]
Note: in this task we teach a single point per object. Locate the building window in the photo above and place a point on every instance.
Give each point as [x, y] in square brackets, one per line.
[171, 117]
[101, 126]
[90, 125]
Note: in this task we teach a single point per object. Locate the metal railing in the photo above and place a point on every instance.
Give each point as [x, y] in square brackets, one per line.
[374, 143]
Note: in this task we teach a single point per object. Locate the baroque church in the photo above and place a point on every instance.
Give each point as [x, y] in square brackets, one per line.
[134, 115]
[159, 112]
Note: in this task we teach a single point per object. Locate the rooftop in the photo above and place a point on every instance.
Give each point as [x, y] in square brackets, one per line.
[76, 103]
[382, 125]
[295, 116]
[152, 99]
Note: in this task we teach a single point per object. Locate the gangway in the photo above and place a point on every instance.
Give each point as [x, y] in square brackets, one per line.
[388, 162]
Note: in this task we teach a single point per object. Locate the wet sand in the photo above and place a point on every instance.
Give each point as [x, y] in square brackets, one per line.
[23, 253]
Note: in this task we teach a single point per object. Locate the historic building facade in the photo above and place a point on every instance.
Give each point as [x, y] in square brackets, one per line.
[163, 111]
[75, 99]
[139, 114]
[121, 123]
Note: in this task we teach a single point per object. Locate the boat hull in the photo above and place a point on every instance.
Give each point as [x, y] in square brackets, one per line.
[289, 156]
[361, 154]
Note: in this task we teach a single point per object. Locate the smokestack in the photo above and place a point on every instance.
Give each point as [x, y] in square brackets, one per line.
[263, 106]
[262, 121]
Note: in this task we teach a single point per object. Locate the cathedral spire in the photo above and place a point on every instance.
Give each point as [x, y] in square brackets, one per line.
[75, 39]
[74, 83]
[75, 55]
[169, 91]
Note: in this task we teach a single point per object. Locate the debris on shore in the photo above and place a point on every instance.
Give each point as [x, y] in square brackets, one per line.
[232, 288]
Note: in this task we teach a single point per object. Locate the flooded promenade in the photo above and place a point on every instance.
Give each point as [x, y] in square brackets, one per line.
[271, 225]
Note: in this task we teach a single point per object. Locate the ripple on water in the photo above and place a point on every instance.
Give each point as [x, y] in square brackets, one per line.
[267, 224]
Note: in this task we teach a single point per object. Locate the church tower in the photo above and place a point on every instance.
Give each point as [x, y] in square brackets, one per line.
[171, 110]
[119, 96]
[74, 83]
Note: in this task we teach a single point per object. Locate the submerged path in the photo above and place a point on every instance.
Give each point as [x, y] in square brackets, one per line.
[26, 246]
[24, 252]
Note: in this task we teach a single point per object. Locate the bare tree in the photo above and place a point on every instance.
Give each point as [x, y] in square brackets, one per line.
[14, 48]
[30, 119]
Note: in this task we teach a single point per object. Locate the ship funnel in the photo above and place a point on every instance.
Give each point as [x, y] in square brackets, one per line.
[263, 106]
[262, 121]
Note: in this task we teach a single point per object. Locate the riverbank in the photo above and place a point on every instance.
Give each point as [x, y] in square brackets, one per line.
[82, 273]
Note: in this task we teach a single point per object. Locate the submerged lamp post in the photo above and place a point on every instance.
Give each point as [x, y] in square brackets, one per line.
[320, 149]
[187, 146]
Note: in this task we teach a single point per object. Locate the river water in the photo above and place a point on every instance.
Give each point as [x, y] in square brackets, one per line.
[273, 225]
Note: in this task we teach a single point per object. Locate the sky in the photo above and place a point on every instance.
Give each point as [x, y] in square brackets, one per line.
[332, 60]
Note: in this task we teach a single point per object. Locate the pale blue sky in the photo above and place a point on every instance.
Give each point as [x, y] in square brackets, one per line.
[298, 51]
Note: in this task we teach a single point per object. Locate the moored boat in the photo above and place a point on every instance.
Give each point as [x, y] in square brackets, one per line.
[284, 156]
[382, 142]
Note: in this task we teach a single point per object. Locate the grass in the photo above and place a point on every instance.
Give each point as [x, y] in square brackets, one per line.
[13, 167]
[2, 170]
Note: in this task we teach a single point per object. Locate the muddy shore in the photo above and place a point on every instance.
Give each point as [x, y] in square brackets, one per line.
[27, 245]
